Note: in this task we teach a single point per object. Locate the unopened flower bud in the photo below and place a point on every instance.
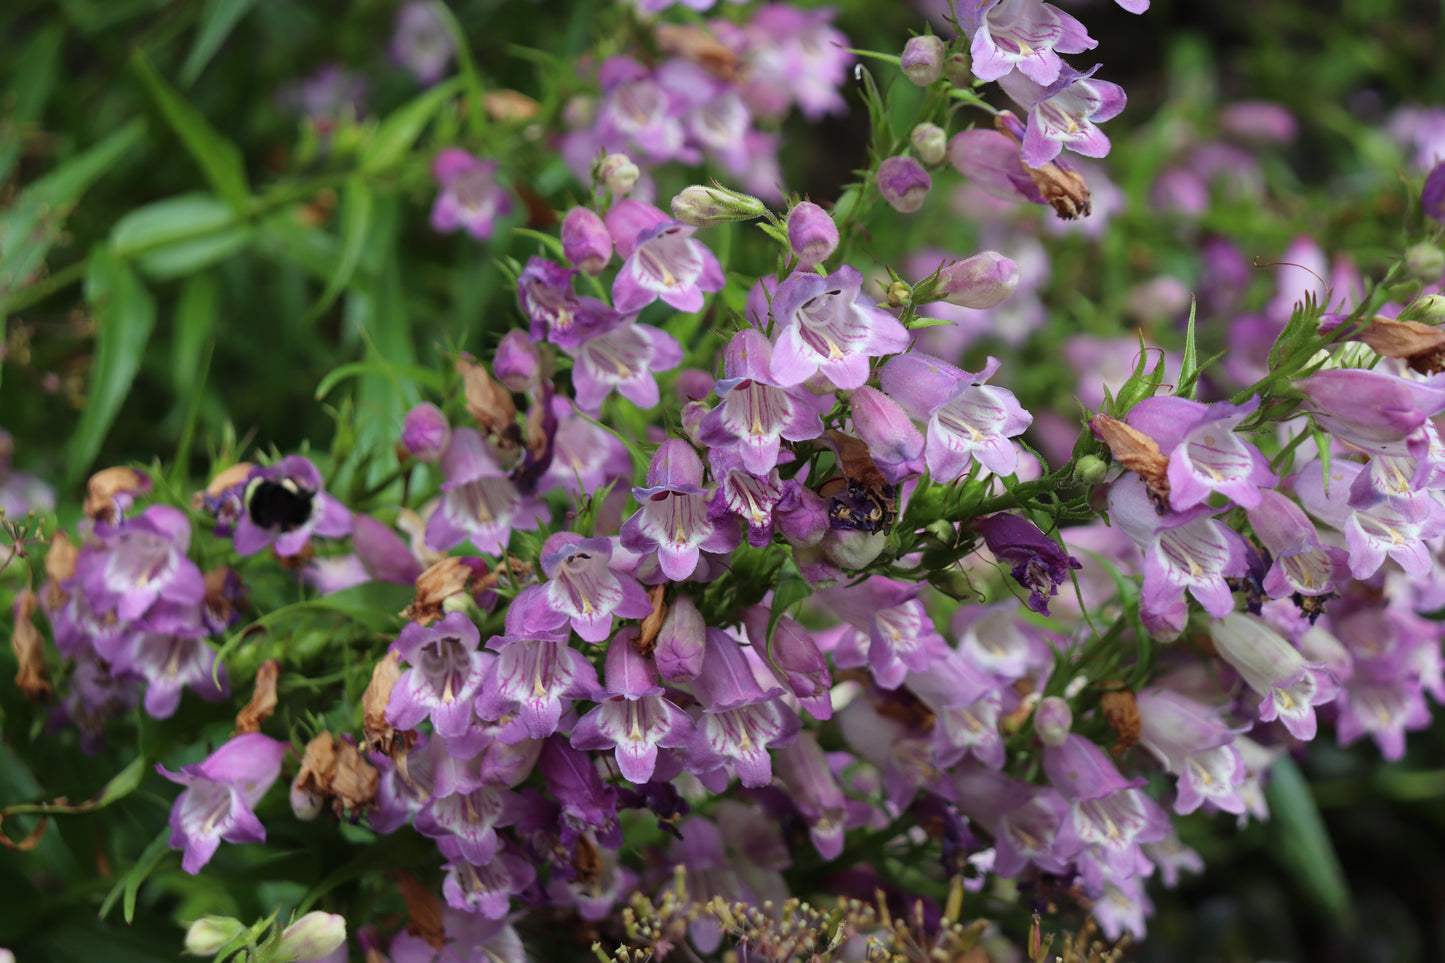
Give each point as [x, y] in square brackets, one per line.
[310, 938]
[1090, 470]
[1430, 309]
[958, 69]
[1425, 262]
[982, 281]
[1053, 720]
[923, 60]
[700, 206]
[425, 432]
[812, 234]
[208, 934]
[903, 183]
[1432, 198]
[585, 240]
[618, 174]
[899, 294]
[930, 143]
[518, 362]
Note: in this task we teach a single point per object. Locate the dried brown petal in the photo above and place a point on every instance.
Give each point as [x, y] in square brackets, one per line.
[376, 731]
[646, 642]
[1122, 712]
[488, 402]
[505, 105]
[423, 908]
[446, 578]
[60, 562]
[318, 763]
[29, 646]
[854, 460]
[1137, 452]
[354, 781]
[1422, 345]
[263, 699]
[220, 601]
[228, 478]
[702, 47]
[1062, 187]
[106, 484]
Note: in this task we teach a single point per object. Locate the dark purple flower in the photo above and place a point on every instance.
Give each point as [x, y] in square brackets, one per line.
[1039, 563]
[559, 315]
[220, 796]
[584, 589]
[444, 675]
[1432, 198]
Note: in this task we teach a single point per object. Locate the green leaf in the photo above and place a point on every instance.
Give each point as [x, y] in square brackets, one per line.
[217, 21]
[122, 783]
[1189, 370]
[430, 378]
[219, 159]
[1301, 844]
[35, 73]
[397, 135]
[30, 225]
[179, 235]
[127, 315]
[128, 885]
[357, 207]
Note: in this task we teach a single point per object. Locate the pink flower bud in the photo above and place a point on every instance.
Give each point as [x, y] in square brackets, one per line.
[903, 183]
[618, 174]
[1432, 198]
[923, 60]
[982, 281]
[425, 432]
[812, 234]
[585, 240]
[517, 363]
[1053, 720]
[679, 651]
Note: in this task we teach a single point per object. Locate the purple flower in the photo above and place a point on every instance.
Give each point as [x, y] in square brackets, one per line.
[793, 656]
[585, 240]
[1023, 34]
[756, 413]
[470, 196]
[170, 663]
[285, 505]
[639, 115]
[479, 502]
[584, 589]
[792, 56]
[894, 444]
[903, 183]
[660, 260]
[1063, 113]
[1376, 411]
[891, 631]
[1030, 824]
[425, 432]
[1195, 745]
[1395, 527]
[1039, 563]
[220, 796]
[991, 161]
[983, 281]
[1288, 686]
[1205, 455]
[811, 234]
[1432, 197]
[1302, 563]
[421, 42]
[446, 671]
[967, 418]
[803, 768]
[464, 822]
[681, 641]
[741, 737]
[623, 358]
[829, 328]
[922, 59]
[558, 315]
[143, 563]
[673, 517]
[528, 681]
[633, 718]
[486, 890]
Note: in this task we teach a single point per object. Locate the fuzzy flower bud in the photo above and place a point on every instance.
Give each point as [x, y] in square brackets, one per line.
[518, 363]
[425, 432]
[1425, 262]
[208, 934]
[585, 240]
[1430, 309]
[1090, 470]
[700, 206]
[618, 174]
[812, 234]
[899, 294]
[903, 183]
[1052, 721]
[982, 281]
[930, 143]
[958, 69]
[310, 938]
[923, 60]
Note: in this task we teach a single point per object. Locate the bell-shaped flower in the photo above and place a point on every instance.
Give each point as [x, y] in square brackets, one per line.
[1182, 550]
[556, 312]
[828, 327]
[584, 590]
[803, 768]
[1038, 562]
[681, 642]
[486, 890]
[1288, 686]
[967, 418]
[890, 630]
[741, 495]
[1195, 745]
[756, 413]
[284, 505]
[588, 804]
[1302, 563]
[624, 358]
[220, 797]
[1023, 34]
[479, 502]
[529, 681]
[632, 718]
[1376, 411]
[170, 663]
[894, 444]
[1205, 455]
[740, 738]
[674, 518]
[1393, 527]
[470, 197]
[793, 656]
[1064, 113]
[1030, 824]
[444, 674]
[143, 562]
[660, 260]
[464, 823]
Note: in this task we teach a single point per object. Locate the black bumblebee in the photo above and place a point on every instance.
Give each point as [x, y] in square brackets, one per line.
[281, 506]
